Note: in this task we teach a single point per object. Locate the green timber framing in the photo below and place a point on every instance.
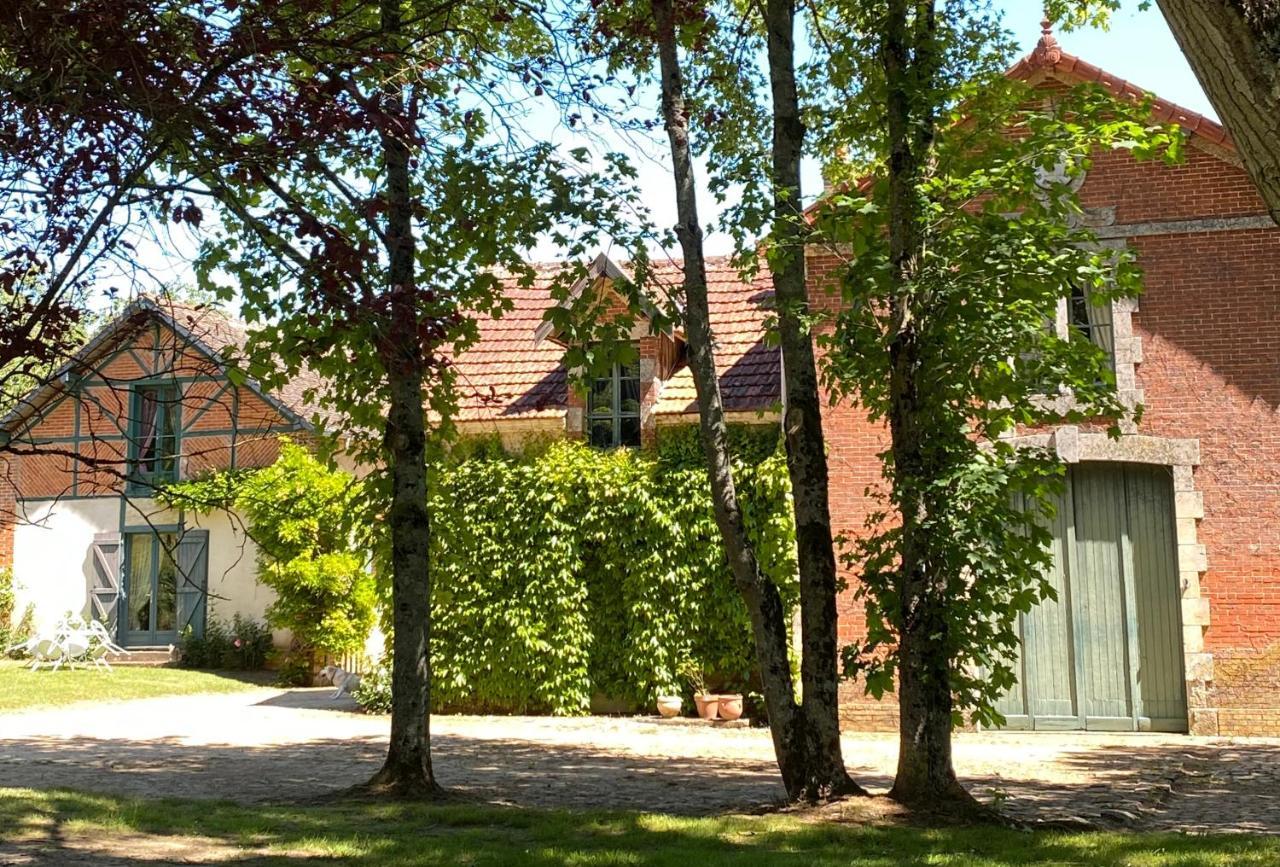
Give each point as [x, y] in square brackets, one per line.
[97, 355]
[77, 380]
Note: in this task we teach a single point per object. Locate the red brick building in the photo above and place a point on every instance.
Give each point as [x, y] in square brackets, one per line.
[147, 401]
[1172, 619]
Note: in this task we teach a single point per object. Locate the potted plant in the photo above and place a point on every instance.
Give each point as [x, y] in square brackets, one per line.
[708, 703]
[730, 706]
[670, 705]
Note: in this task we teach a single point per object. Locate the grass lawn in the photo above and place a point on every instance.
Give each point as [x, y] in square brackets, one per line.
[21, 688]
[369, 833]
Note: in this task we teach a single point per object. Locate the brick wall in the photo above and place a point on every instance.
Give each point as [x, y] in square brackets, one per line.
[1209, 324]
[93, 422]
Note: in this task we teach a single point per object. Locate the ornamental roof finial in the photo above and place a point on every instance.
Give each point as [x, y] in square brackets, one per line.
[1047, 51]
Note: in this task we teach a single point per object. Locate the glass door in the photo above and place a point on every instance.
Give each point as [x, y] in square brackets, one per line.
[150, 590]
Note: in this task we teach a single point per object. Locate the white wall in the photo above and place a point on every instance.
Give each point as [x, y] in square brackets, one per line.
[52, 551]
[53, 567]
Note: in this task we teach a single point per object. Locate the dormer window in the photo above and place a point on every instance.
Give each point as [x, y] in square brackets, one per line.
[613, 408]
[1092, 320]
[153, 436]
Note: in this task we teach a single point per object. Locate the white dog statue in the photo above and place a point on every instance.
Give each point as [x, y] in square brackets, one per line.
[345, 681]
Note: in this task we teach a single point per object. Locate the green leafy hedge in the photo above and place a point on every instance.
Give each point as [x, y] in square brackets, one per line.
[570, 572]
[558, 574]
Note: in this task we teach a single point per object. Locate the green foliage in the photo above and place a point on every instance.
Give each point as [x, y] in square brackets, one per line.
[680, 446]
[241, 645]
[956, 344]
[295, 669]
[558, 573]
[303, 517]
[21, 633]
[575, 571]
[6, 607]
[373, 693]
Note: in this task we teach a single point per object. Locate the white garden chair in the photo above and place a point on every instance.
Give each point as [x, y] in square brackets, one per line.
[101, 645]
[75, 647]
[45, 651]
[99, 632]
[98, 656]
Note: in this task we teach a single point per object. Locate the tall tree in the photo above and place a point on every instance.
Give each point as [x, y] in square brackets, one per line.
[960, 237]
[808, 754]
[768, 618]
[802, 424]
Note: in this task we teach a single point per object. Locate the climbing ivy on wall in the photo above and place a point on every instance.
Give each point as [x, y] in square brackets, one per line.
[571, 572]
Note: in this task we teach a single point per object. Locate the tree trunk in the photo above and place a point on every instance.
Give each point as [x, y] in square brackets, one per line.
[1234, 48]
[925, 775]
[802, 424]
[768, 619]
[407, 769]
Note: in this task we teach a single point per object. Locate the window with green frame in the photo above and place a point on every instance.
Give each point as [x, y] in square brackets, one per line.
[153, 435]
[613, 408]
[1091, 319]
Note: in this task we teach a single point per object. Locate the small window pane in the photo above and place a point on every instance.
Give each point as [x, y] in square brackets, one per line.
[154, 434]
[630, 435]
[630, 389]
[139, 588]
[167, 585]
[1092, 321]
[613, 408]
[601, 397]
[602, 433]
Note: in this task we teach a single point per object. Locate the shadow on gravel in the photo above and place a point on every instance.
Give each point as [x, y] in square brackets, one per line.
[1193, 787]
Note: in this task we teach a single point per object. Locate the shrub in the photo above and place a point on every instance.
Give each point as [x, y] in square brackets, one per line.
[241, 645]
[295, 668]
[374, 692]
[6, 607]
[301, 515]
[23, 632]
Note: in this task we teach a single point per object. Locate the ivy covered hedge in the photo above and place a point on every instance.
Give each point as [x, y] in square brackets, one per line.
[558, 574]
[568, 572]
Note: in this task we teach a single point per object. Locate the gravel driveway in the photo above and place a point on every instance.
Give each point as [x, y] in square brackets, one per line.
[272, 744]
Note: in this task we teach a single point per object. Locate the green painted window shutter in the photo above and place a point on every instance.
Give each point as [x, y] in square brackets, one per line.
[104, 595]
[193, 588]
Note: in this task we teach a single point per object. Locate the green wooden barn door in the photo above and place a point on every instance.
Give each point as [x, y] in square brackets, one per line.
[1102, 606]
[1051, 652]
[1160, 680]
[1106, 655]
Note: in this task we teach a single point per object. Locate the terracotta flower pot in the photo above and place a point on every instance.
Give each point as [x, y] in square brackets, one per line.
[730, 707]
[708, 705]
[670, 705]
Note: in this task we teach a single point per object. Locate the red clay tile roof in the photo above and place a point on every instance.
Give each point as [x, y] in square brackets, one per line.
[1048, 58]
[509, 374]
[750, 371]
[215, 330]
[1051, 61]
